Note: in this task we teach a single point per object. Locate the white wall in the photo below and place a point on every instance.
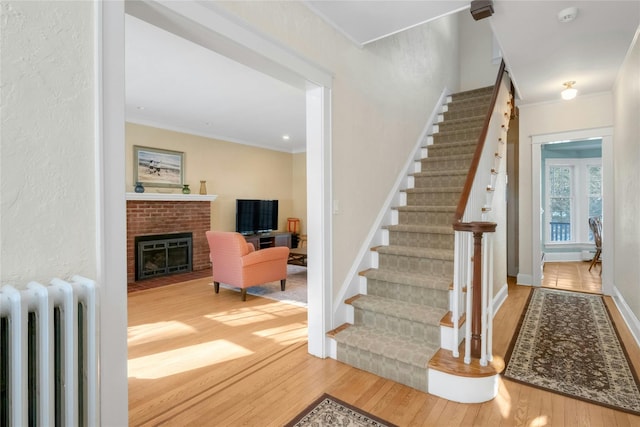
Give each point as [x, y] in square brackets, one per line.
[47, 137]
[477, 68]
[382, 95]
[583, 112]
[50, 168]
[626, 108]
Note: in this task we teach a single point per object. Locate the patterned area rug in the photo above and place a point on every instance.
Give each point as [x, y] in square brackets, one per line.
[567, 344]
[329, 411]
[295, 291]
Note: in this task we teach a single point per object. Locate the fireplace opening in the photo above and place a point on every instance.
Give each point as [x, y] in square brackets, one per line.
[163, 254]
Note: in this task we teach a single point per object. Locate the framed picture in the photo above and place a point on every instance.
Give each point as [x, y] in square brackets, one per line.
[154, 167]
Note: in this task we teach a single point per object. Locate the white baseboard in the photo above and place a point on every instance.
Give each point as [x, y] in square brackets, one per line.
[500, 298]
[524, 279]
[629, 317]
[562, 256]
[332, 348]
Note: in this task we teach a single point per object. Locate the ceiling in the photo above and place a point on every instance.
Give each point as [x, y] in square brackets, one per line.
[174, 84]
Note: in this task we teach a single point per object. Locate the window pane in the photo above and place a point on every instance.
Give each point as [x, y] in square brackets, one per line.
[595, 206]
[595, 180]
[595, 193]
[560, 181]
[560, 219]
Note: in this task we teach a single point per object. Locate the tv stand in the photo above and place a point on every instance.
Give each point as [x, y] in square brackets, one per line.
[269, 240]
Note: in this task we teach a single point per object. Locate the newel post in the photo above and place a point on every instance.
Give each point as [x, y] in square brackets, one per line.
[478, 229]
[476, 321]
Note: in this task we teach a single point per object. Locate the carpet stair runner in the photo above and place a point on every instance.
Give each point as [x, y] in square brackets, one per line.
[396, 329]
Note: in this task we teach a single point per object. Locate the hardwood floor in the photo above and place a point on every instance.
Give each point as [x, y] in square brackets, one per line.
[196, 358]
[573, 276]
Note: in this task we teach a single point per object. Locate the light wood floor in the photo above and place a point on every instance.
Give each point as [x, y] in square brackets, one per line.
[196, 358]
[573, 276]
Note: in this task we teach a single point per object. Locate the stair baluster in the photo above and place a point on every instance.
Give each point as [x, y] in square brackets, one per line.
[470, 216]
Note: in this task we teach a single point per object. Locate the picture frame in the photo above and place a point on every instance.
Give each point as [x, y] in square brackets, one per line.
[155, 167]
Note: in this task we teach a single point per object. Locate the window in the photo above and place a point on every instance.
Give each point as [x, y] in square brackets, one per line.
[573, 193]
[595, 192]
[560, 201]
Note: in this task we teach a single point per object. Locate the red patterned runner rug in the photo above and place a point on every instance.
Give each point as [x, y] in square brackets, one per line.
[567, 343]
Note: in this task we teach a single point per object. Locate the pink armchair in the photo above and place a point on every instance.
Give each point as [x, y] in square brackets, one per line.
[237, 263]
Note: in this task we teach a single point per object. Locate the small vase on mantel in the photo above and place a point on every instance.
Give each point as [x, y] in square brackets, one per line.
[203, 187]
[186, 189]
[139, 188]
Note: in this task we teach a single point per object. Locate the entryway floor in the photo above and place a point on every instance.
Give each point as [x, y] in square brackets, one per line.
[573, 276]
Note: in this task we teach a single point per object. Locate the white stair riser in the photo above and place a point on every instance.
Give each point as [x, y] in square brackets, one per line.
[463, 389]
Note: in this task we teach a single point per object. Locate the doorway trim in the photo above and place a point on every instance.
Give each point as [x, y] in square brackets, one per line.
[537, 141]
[239, 42]
[216, 29]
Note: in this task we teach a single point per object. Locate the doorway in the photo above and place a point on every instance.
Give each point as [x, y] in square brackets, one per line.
[538, 202]
[211, 28]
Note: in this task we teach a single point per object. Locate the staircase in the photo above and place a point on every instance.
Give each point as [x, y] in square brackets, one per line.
[397, 323]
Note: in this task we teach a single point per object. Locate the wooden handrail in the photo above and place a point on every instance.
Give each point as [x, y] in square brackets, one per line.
[478, 228]
[471, 175]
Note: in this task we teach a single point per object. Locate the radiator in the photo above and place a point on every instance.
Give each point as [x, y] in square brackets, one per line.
[48, 354]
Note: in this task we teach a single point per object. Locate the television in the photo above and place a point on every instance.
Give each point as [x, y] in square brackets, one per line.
[256, 216]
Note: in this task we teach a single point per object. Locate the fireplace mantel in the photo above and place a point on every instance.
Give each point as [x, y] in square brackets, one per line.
[171, 197]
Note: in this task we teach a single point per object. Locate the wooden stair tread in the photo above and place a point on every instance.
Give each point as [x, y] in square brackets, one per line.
[436, 173]
[408, 278]
[364, 272]
[425, 208]
[332, 333]
[417, 252]
[419, 313]
[444, 361]
[447, 320]
[433, 190]
[388, 344]
[429, 229]
[350, 300]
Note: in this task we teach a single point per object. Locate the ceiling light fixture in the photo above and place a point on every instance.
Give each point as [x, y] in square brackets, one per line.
[568, 14]
[285, 137]
[569, 92]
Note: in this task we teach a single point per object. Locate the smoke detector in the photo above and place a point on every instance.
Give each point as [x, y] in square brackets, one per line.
[568, 14]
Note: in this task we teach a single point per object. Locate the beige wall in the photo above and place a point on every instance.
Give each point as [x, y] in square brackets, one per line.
[232, 171]
[381, 97]
[626, 106]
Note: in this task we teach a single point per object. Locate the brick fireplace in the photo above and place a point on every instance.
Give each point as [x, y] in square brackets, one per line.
[156, 214]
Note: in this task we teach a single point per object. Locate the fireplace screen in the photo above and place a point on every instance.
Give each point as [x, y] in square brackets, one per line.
[165, 254]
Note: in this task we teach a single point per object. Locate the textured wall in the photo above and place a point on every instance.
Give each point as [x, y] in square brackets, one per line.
[626, 256]
[382, 96]
[47, 157]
